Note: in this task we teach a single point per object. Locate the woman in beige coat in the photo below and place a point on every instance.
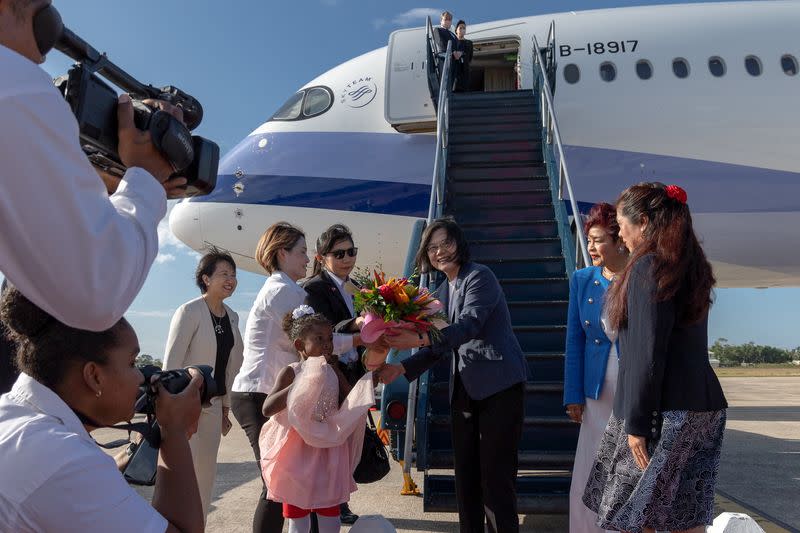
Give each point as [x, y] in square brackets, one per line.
[205, 331]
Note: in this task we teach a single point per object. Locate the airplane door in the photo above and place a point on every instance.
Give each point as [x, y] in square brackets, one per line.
[407, 96]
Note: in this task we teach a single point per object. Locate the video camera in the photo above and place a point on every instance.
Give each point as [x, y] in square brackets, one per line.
[141, 469]
[94, 104]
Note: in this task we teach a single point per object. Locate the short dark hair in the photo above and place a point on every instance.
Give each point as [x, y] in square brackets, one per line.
[460, 22]
[329, 238]
[296, 328]
[208, 265]
[454, 233]
[47, 348]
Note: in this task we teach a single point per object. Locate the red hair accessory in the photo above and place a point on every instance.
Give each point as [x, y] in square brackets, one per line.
[676, 193]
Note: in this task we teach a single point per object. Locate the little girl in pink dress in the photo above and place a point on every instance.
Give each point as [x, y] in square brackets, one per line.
[312, 443]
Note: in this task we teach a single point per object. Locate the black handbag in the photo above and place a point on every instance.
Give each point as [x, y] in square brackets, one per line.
[374, 463]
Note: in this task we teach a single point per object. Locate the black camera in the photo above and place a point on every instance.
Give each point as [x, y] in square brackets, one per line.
[141, 469]
[94, 104]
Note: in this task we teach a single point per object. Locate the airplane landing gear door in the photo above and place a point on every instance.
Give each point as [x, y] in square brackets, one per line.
[407, 96]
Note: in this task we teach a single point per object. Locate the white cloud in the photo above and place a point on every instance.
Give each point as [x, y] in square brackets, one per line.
[417, 14]
[162, 258]
[378, 23]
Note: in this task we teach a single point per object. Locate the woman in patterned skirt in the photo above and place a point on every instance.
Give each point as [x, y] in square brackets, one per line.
[657, 463]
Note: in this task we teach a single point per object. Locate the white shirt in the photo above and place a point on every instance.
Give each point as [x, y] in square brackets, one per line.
[76, 253]
[55, 477]
[351, 354]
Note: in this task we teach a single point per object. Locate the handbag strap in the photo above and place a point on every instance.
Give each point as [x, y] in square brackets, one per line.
[370, 421]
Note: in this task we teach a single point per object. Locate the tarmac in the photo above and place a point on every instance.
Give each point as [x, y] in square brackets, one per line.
[759, 473]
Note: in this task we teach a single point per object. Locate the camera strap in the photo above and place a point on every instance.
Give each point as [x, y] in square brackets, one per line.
[140, 427]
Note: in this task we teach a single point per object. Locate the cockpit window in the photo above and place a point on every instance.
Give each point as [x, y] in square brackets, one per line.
[305, 104]
[291, 109]
[318, 100]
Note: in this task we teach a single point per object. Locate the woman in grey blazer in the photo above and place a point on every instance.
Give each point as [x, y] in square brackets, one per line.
[488, 374]
[205, 331]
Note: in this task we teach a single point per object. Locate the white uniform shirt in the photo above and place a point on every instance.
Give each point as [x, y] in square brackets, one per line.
[55, 477]
[77, 254]
[351, 354]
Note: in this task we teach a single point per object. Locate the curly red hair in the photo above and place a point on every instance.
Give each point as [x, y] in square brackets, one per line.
[603, 215]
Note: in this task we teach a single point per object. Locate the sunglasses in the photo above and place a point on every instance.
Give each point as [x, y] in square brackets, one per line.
[339, 254]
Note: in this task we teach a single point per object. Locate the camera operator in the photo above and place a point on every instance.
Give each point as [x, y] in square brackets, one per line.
[78, 254]
[55, 477]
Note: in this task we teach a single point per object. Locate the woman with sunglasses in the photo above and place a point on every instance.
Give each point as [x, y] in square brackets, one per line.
[329, 292]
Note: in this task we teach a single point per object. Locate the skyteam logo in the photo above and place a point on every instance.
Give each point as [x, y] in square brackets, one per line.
[359, 93]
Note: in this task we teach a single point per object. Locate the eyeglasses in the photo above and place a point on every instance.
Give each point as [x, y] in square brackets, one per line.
[444, 245]
[339, 254]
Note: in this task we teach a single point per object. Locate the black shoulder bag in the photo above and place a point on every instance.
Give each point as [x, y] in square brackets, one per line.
[374, 464]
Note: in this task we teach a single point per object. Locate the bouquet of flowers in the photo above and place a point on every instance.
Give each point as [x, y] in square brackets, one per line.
[392, 304]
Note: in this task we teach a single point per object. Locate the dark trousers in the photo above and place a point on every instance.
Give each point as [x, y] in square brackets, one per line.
[246, 407]
[486, 436]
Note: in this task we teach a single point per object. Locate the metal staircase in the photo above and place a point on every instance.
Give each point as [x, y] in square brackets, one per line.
[500, 172]
[498, 191]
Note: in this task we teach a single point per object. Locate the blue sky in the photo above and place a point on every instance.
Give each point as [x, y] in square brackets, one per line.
[242, 59]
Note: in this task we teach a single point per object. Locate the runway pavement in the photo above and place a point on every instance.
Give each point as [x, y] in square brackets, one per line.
[759, 475]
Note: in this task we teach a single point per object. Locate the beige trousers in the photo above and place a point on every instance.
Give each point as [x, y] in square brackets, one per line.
[204, 445]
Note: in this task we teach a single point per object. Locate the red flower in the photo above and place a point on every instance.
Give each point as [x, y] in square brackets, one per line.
[676, 193]
[387, 293]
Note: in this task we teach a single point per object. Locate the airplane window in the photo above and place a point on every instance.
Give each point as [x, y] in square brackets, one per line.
[644, 69]
[608, 72]
[717, 66]
[789, 65]
[753, 65]
[680, 67]
[291, 109]
[572, 73]
[318, 100]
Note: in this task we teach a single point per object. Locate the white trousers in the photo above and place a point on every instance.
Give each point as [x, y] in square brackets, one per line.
[595, 418]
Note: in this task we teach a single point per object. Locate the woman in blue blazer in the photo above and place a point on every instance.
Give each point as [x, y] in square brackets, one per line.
[590, 370]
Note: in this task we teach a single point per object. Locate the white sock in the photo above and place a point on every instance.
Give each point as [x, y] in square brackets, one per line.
[329, 524]
[300, 525]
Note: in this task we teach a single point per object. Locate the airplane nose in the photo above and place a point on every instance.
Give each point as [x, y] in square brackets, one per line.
[184, 222]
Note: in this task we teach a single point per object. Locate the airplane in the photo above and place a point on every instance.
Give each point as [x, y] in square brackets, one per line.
[700, 95]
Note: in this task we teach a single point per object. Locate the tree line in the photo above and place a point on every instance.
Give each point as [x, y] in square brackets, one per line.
[751, 353]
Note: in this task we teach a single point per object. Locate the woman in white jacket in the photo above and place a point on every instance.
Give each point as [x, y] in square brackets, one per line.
[205, 331]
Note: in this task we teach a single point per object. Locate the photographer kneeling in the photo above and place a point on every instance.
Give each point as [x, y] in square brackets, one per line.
[55, 477]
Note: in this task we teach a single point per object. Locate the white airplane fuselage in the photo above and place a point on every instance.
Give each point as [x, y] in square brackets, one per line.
[730, 140]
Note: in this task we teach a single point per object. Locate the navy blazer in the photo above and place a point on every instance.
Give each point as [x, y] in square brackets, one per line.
[587, 344]
[663, 363]
[444, 36]
[488, 356]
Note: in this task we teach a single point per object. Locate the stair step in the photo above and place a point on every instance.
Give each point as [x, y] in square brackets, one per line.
[492, 127]
[492, 95]
[483, 174]
[535, 494]
[548, 338]
[502, 230]
[538, 312]
[509, 146]
[490, 186]
[542, 267]
[471, 215]
[545, 366]
[516, 248]
[490, 104]
[519, 115]
[528, 459]
[525, 157]
[484, 136]
[523, 109]
[478, 200]
[529, 288]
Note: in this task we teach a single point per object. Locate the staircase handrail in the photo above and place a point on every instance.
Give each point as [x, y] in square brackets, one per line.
[435, 209]
[550, 124]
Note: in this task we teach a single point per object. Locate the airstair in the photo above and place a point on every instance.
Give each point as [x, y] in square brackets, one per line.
[500, 173]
